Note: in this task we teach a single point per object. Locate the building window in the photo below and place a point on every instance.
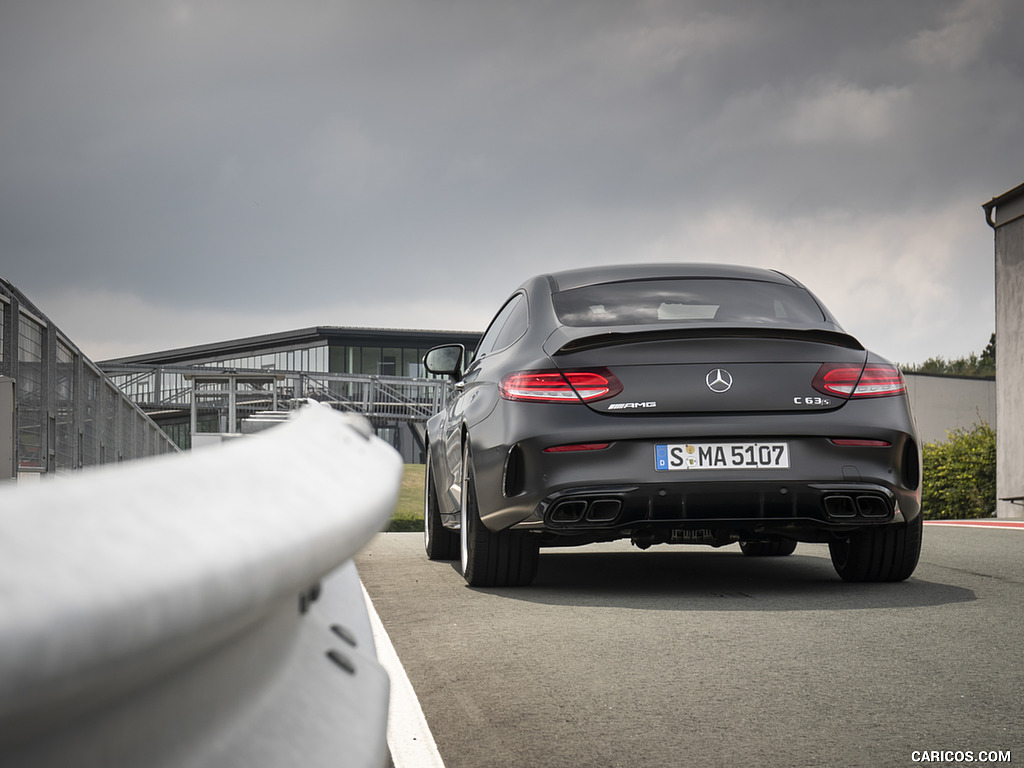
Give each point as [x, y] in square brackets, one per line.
[30, 395]
[90, 436]
[305, 359]
[65, 402]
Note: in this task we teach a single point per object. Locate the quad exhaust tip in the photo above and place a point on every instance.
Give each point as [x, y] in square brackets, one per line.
[569, 511]
[865, 506]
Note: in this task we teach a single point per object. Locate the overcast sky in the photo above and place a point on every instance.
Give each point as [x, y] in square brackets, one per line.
[173, 173]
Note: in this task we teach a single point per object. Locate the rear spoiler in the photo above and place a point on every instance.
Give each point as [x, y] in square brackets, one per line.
[561, 343]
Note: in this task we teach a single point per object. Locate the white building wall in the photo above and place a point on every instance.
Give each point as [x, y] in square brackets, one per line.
[944, 403]
[1009, 264]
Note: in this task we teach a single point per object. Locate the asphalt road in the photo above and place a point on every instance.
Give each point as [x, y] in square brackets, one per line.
[688, 656]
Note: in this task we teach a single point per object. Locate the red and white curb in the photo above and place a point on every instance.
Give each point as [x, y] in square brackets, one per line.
[1011, 524]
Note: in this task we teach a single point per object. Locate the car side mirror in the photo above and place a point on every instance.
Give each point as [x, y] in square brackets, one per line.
[445, 360]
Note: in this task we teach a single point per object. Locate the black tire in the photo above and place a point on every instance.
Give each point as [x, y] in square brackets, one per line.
[503, 559]
[879, 554]
[439, 542]
[775, 548]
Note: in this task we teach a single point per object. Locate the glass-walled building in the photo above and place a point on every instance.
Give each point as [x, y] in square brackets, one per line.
[374, 371]
[323, 349]
[66, 414]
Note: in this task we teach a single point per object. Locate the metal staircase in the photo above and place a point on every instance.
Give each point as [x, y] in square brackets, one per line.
[162, 389]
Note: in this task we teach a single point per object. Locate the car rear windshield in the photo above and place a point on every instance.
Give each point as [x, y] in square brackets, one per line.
[692, 300]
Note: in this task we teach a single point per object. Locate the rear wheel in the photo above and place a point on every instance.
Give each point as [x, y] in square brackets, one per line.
[503, 559]
[440, 543]
[879, 554]
[775, 548]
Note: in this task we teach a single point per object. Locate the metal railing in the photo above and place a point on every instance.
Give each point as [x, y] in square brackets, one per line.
[377, 397]
[388, 397]
[196, 609]
[67, 415]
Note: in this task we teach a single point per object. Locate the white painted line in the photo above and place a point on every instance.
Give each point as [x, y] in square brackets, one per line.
[1001, 524]
[409, 737]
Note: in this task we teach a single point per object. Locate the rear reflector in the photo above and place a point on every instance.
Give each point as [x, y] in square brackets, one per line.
[588, 385]
[850, 381]
[859, 443]
[577, 447]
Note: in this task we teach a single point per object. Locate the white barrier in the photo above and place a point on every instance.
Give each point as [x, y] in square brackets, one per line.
[161, 613]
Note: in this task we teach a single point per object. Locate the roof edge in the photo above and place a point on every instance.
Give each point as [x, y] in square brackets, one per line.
[282, 338]
[1000, 201]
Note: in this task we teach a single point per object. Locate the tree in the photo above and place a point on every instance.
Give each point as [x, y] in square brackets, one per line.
[988, 355]
[972, 365]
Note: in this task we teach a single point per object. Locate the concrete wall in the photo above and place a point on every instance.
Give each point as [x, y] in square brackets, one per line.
[1009, 258]
[945, 403]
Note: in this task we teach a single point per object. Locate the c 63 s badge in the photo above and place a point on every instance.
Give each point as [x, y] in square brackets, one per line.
[629, 406]
[811, 401]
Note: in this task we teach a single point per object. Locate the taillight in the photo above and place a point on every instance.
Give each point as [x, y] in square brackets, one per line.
[588, 385]
[851, 381]
[576, 447]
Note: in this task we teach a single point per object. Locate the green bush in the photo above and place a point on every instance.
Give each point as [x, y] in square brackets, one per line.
[960, 475]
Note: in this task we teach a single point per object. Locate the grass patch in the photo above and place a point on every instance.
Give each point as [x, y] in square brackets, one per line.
[408, 514]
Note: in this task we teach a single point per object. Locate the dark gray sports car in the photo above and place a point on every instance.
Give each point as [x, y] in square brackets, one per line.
[670, 404]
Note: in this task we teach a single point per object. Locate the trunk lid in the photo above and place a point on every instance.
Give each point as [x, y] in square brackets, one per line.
[718, 370]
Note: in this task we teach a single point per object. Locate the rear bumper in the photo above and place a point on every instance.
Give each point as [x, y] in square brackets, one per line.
[726, 511]
[828, 489]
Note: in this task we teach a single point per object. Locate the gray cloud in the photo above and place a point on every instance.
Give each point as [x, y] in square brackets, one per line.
[344, 160]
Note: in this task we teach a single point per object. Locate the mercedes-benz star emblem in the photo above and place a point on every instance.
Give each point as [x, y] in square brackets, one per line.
[719, 380]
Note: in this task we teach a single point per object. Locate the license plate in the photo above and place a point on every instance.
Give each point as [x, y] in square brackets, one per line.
[721, 456]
